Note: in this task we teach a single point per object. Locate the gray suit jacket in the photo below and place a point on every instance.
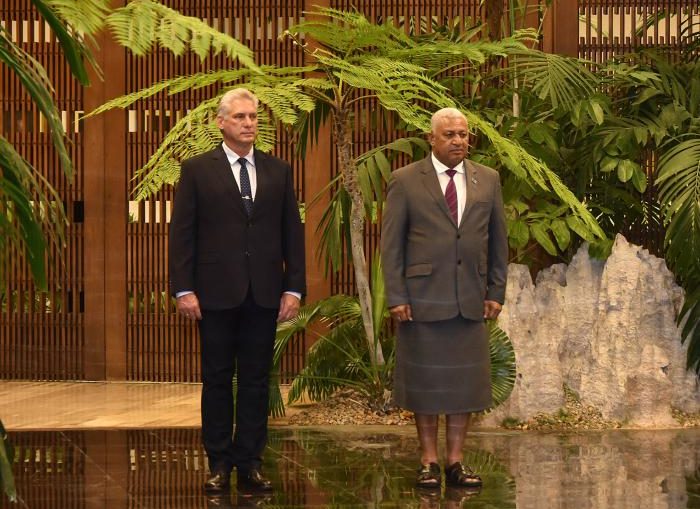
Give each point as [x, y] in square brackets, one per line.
[440, 269]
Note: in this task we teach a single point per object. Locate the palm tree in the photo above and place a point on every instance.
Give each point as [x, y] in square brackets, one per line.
[350, 61]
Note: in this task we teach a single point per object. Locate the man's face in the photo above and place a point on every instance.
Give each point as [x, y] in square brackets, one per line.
[239, 125]
[450, 140]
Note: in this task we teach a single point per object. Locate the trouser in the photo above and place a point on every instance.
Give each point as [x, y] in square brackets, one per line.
[239, 339]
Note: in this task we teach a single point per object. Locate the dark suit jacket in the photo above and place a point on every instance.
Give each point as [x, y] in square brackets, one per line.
[439, 269]
[218, 252]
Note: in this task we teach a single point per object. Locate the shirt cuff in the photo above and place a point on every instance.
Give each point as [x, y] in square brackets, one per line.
[184, 292]
[296, 294]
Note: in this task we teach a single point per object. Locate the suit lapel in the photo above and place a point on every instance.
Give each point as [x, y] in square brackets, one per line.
[432, 184]
[262, 175]
[471, 182]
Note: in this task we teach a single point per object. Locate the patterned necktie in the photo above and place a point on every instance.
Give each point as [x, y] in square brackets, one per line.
[451, 195]
[246, 193]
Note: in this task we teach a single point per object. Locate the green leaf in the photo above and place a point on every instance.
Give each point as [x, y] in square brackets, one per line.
[608, 164]
[596, 112]
[639, 180]
[626, 169]
[646, 94]
[577, 226]
[561, 233]
[641, 135]
[539, 232]
[383, 164]
[518, 233]
[600, 249]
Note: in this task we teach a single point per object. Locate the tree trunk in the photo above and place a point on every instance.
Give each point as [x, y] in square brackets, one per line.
[348, 170]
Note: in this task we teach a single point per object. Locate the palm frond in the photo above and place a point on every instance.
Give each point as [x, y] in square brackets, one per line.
[141, 24]
[679, 192]
[84, 16]
[442, 54]
[33, 78]
[503, 364]
[561, 80]
[193, 134]
[87, 18]
[172, 86]
[347, 32]
[33, 209]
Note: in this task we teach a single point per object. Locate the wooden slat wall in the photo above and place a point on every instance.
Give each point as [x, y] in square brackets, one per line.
[41, 334]
[49, 470]
[166, 468]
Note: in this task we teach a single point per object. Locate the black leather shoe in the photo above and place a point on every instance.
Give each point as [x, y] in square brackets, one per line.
[219, 482]
[428, 476]
[461, 475]
[253, 480]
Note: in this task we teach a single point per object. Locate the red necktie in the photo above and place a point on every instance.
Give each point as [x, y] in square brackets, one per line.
[451, 195]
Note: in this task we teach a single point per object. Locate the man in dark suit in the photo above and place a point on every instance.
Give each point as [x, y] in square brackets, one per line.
[236, 266]
[444, 253]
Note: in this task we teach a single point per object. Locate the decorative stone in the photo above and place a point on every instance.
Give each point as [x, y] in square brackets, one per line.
[607, 330]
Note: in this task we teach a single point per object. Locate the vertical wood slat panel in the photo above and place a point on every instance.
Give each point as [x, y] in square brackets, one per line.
[41, 334]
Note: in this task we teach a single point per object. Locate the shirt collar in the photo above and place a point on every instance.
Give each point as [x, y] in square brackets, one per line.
[233, 157]
[441, 168]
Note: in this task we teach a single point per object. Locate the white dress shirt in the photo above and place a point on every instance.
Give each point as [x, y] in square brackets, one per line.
[460, 183]
[236, 168]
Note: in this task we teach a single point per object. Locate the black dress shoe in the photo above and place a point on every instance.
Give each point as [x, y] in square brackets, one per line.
[253, 480]
[219, 482]
[461, 475]
[428, 476]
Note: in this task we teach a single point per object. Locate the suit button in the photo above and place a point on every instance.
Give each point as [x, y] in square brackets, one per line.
[247, 253]
[459, 262]
[250, 223]
[459, 236]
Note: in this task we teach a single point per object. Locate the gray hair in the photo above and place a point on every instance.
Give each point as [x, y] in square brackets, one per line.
[445, 113]
[233, 95]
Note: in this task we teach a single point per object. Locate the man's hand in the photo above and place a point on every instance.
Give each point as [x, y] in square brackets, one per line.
[491, 309]
[289, 307]
[402, 312]
[188, 306]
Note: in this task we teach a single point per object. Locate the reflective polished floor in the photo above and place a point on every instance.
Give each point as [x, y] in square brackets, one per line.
[353, 467]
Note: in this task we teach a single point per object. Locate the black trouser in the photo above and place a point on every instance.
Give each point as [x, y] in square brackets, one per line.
[241, 338]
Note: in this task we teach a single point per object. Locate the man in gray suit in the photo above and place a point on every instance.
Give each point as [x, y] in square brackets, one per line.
[445, 253]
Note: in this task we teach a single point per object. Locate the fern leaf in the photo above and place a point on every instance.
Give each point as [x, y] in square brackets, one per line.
[142, 23]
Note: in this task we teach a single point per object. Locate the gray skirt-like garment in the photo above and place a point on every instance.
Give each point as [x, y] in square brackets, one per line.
[442, 367]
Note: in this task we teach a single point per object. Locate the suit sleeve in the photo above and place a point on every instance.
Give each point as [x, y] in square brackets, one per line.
[293, 241]
[393, 244]
[498, 249]
[183, 233]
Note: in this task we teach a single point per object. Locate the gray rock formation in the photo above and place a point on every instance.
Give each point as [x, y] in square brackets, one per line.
[605, 329]
[619, 469]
